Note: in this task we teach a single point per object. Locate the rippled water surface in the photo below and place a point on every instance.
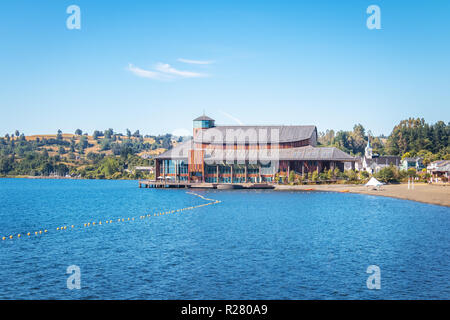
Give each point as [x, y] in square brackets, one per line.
[252, 245]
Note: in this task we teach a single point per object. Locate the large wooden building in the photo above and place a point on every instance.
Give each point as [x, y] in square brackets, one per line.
[240, 154]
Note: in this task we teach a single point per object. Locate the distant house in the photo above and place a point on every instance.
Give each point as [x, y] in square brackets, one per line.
[439, 169]
[408, 163]
[373, 163]
[149, 169]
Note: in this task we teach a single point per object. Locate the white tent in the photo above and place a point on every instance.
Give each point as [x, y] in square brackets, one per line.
[373, 183]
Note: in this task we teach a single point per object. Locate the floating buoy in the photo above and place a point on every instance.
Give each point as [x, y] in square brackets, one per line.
[212, 201]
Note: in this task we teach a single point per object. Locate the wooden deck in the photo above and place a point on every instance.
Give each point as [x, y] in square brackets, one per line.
[185, 184]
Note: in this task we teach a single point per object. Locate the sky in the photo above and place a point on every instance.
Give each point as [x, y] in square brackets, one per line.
[156, 65]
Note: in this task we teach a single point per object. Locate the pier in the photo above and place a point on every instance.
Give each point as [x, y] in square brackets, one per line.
[204, 185]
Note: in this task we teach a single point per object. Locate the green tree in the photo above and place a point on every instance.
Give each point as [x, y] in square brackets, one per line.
[291, 176]
[387, 174]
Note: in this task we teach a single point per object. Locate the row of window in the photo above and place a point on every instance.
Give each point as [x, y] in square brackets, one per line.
[170, 165]
[237, 179]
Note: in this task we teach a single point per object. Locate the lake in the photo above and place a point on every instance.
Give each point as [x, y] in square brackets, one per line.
[251, 245]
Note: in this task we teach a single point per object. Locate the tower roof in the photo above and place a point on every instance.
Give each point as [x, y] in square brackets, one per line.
[203, 117]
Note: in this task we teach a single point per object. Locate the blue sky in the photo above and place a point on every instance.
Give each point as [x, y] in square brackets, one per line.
[257, 62]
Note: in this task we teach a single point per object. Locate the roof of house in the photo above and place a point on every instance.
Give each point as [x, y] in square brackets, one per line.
[255, 134]
[440, 162]
[412, 159]
[203, 117]
[383, 160]
[440, 165]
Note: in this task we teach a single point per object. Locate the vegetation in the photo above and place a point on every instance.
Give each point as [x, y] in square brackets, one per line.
[110, 155]
[104, 155]
[410, 138]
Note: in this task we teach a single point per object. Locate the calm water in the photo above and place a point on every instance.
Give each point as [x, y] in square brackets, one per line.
[253, 245]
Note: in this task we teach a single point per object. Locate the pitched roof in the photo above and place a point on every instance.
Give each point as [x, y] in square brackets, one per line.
[179, 152]
[203, 117]
[385, 160]
[299, 154]
[254, 134]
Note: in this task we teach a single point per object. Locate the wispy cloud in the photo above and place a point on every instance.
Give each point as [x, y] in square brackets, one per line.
[195, 61]
[168, 69]
[232, 118]
[164, 71]
[147, 73]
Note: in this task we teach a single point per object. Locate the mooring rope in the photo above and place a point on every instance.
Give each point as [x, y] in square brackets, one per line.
[110, 221]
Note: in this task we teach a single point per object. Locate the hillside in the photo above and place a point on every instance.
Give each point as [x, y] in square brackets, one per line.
[101, 155]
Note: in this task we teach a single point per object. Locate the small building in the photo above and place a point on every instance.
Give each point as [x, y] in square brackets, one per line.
[415, 163]
[439, 170]
[244, 154]
[373, 163]
[149, 169]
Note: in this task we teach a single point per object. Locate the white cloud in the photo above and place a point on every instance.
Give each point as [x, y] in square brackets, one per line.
[195, 61]
[168, 69]
[147, 73]
[164, 71]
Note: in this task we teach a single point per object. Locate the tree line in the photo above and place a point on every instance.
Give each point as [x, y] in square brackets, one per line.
[411, 137]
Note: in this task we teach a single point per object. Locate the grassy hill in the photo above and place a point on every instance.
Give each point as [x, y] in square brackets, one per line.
[102, 155]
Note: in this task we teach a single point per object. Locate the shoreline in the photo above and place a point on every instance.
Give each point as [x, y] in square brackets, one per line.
[437, 194]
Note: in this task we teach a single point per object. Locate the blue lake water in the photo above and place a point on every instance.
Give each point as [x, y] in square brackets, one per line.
[252, 245]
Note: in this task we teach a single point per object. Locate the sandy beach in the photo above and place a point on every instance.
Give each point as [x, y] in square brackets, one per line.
[433, 194]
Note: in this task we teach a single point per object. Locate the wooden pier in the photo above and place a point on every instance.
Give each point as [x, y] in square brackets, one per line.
[185, 184]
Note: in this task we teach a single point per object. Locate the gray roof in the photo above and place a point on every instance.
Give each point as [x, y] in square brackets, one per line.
[445, 168]
[299, 154]
[440, 165]
[203, 117]
[255, 134]
[412, 159]
[179, 152]
[385, 160]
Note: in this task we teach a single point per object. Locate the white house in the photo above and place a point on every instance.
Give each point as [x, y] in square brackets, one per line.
[373, 163]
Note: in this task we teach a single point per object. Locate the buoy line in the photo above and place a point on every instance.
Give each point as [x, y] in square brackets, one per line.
[110, 221]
